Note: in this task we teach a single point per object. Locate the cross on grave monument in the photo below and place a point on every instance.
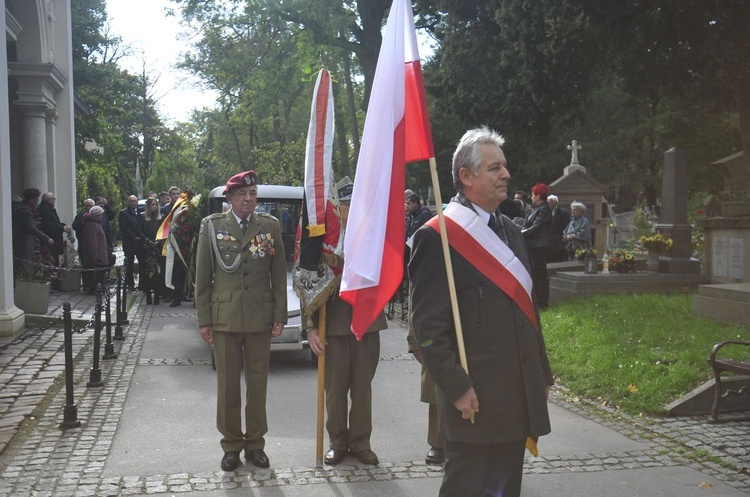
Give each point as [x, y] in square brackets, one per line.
[574, 147]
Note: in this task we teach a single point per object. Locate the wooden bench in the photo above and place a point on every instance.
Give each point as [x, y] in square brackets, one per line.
[727, 365]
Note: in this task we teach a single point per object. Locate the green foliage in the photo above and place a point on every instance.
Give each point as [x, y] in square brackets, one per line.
[598, 347]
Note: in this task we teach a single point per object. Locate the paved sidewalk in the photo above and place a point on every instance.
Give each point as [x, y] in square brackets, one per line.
[149, 430]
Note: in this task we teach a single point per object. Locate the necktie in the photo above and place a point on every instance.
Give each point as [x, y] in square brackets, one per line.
[243, 225]
[497, 228]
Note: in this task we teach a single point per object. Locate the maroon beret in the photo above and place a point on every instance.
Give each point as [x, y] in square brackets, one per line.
[247, 178]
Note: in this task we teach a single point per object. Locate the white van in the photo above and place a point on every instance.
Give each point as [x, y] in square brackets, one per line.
[285, 204]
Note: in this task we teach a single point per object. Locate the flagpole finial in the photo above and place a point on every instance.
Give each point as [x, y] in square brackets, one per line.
[324, 60]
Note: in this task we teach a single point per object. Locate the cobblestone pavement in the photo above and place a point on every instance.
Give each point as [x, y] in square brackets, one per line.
[44, 460]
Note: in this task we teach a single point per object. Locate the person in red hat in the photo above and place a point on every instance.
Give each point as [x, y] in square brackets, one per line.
[537, 230]
[240, 296]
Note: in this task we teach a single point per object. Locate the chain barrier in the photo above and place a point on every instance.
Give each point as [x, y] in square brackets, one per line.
[51, 268]
[108, 293]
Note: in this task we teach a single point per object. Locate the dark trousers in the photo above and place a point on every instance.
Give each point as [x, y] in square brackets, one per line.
[179, 275]
[538, 257]
[481, 470]
[129, 265]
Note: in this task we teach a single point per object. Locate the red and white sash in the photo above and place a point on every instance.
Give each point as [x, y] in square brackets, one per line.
[478, 244]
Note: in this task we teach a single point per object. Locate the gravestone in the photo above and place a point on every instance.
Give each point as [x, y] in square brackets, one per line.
[673, 221]
[577, 184]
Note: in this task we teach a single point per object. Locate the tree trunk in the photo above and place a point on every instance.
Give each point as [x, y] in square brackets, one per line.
[341, 134]
[351, 106]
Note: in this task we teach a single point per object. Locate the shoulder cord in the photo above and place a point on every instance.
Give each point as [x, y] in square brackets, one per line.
[215, 250]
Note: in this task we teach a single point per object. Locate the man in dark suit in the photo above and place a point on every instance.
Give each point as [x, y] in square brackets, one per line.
[487, 414]
[560, 220]
[50, 224]
[132, 238]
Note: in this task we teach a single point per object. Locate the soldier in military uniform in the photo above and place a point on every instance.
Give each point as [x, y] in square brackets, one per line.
[350, 364]
[240, 295]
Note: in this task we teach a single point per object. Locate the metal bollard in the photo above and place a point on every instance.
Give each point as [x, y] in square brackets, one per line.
[109, 348]
[123, 303]
[118, 316]
[95, 376]
[70, 411]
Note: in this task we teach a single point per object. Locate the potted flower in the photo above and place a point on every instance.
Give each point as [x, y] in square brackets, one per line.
[32, 287]
[656, 243]
[622, 260]
[70, 274]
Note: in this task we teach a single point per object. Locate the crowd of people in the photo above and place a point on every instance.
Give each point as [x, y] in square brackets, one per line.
[499, 247]
[40, 239]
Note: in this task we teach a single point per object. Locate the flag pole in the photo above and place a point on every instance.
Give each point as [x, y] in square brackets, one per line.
[321, 386]
[449, 270]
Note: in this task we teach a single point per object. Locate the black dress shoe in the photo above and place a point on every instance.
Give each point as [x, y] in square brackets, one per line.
[335, 456]
[230, 461]
[175, 303]
[366, 456]
[435, 456]
[257, 457]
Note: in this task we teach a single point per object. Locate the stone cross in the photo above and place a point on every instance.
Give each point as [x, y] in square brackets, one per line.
[574, 147]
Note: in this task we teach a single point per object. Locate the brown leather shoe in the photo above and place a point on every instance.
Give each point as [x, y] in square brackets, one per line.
[335, 456]
[366, 456]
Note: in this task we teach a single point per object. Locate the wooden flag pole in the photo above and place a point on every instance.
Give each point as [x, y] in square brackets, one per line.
[321, 386]
[449, 271]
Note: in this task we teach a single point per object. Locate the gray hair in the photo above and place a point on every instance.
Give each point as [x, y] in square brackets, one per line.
[577, 205]
[553, 198]
[467, 154]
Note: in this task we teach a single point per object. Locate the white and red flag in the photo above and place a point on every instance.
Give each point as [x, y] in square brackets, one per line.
[318, 153]
[397, 131]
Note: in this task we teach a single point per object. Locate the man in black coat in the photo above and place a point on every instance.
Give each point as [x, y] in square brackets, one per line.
[560, 220]
[26, 233]
[487, 414]
[49, 223]
[132, 238]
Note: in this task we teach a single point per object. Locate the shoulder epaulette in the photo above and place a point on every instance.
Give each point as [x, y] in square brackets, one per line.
[215, 215]
[267, 215]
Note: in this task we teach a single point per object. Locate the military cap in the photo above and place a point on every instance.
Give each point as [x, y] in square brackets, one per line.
[239, 180]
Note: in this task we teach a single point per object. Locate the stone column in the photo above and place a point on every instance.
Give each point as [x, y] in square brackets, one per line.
[34, 173]
[673, 221]
[12, 318]
[51, 116]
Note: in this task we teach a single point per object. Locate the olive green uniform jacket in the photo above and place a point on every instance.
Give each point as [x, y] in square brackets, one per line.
[252, 297]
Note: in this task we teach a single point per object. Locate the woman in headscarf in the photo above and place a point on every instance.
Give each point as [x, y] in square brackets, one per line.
[96, 255]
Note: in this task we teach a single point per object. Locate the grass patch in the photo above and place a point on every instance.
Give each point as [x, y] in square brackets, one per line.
[635, 352]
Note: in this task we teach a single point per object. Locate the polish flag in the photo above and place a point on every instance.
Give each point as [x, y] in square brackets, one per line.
[318, 154]
[397, 131]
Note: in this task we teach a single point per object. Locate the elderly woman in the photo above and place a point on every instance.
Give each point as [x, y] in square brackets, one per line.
[577, 235]
[96, 255]
[537, 231]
